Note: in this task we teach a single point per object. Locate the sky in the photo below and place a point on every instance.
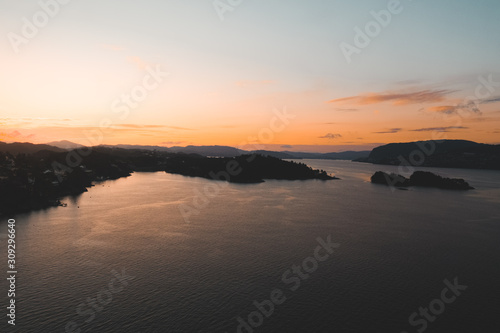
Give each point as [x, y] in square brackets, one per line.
[282, 75]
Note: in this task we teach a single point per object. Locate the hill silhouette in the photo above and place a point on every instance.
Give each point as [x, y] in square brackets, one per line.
[65, 144]
[246, 168]
[444, 153]
[26, 148]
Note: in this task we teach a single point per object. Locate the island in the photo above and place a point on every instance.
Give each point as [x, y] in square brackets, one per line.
[420, 178]
[250, 168]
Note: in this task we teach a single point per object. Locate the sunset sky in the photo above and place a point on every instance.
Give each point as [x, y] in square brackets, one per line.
[176, 73]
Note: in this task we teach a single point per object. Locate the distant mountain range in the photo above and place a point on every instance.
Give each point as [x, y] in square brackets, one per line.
[152, 148]
[65, 144]
[221, 151]
[206, 151]
[26, 148]
[344, 155]
[227, 151]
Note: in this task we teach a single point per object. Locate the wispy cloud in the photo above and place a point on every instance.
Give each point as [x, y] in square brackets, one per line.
[454, 109]
[180, 128]
[287, 146]
[491, 100]
[346, 110]
[138, 126]
[390, 131]
[34, 122]
[446, 109]
[484, 119]
[439, 129]
[330, 136]
[422, 96]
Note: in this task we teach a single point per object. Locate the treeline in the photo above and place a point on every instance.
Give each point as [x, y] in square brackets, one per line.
[252, 168]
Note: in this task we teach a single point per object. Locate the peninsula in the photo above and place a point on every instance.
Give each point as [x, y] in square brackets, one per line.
[37, 176]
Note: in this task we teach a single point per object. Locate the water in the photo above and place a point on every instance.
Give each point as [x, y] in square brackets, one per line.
[396, 249]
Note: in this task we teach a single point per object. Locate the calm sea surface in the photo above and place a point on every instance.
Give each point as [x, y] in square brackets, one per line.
[201, 274]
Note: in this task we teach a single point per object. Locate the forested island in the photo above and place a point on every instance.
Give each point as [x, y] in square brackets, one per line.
[32, 178]
[420, 178]
[252, 168]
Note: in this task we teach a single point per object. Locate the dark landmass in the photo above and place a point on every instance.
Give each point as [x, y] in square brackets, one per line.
[277, 154]
[252, 168]
[420, 178]
[65, 144]
[226, 151]
[392, 179]
[35, 181]
[40, 178]
[291, 155]
[25, 148]
[34, 176]
[443, 154]
[221, 151]
[135, 147]
[218, 151]
[344, 155]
